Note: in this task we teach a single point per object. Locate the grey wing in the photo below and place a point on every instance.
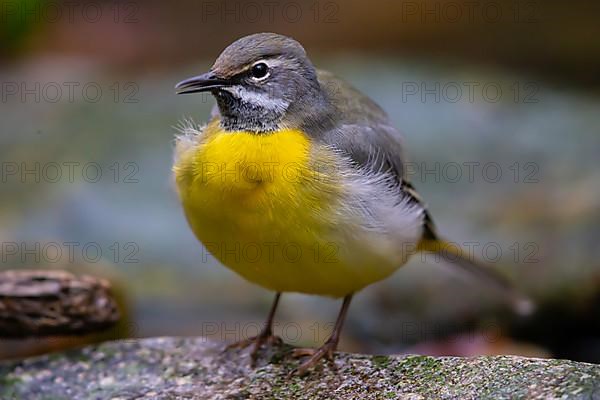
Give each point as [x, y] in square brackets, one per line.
[373, 147]
[376, 149]
[363, 132]
[361, 129]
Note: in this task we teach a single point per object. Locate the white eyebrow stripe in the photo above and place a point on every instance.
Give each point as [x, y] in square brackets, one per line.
[264, 100]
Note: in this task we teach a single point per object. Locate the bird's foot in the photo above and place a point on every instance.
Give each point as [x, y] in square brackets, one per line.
[266, 337]
[326, 351]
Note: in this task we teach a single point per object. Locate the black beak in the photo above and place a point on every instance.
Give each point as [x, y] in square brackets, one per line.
[201, 83]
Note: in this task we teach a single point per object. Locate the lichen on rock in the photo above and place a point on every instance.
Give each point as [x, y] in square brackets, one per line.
[198, 368]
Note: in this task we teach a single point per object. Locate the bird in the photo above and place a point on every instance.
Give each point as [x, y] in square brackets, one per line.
[297, 183]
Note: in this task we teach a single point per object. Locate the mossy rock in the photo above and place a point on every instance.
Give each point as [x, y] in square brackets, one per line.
[197, 368]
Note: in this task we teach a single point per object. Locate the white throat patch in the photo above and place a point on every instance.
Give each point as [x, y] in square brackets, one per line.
[262, 100]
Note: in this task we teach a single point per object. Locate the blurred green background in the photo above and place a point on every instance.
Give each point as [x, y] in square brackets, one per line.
[498, 102]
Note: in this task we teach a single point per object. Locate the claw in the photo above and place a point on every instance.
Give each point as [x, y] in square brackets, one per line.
[274, 340]
[303, 352]
[264, 337]
[326, 351]
[258, 343]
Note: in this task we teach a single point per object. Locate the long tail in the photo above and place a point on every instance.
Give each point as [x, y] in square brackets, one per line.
[454, 255]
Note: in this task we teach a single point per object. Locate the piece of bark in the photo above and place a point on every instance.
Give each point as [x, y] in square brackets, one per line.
[50, 302]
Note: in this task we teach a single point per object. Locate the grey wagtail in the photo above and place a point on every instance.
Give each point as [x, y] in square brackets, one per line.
[297, 182]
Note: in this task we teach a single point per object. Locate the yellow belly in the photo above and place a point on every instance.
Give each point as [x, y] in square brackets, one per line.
[261, 205]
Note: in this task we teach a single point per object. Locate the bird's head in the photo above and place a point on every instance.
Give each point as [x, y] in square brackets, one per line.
[261, 82]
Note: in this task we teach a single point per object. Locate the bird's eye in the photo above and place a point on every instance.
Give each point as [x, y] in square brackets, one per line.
[260, 71]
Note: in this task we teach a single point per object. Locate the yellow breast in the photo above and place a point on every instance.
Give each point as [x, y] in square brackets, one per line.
[261, 204]
[247, 178]
[247, 167]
